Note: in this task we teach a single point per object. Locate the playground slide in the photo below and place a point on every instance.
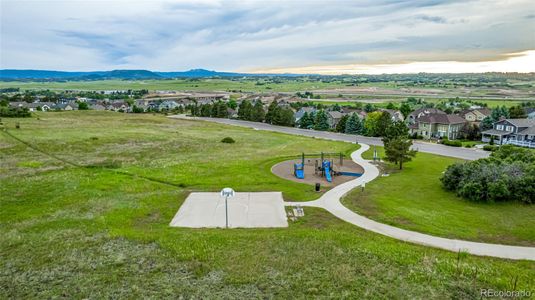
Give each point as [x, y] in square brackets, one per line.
[328, 174]
[300, 174]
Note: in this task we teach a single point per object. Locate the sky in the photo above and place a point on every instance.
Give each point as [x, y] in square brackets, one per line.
[320, 37]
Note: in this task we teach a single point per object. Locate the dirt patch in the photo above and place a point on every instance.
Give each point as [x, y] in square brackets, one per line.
[285, 170]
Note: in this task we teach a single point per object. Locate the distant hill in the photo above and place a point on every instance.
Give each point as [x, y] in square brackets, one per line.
[10, 74]
[200, 73]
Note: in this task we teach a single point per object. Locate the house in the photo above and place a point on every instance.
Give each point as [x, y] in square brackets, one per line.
[530, 112]
[36, 106]
[348, 111]
[232, 113]
[97, 106]
[168, 105]
[65, 106]
[396, 115]
[299, 114]
[118, 106]
[475, 116]
[520, 132]
[422, 112]
[333, 117]
[438, 125]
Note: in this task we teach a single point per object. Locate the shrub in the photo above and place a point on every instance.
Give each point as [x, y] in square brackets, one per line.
[452, 143]
[490, 148]
[507, 175]
[228, 140]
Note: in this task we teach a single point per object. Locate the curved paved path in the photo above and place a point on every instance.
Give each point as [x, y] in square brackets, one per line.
[330, 201]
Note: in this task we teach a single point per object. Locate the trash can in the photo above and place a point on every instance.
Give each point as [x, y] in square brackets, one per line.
[318, 187]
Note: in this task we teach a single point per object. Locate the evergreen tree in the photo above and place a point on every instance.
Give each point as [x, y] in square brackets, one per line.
[517, 112]
[486, 124]
[321, 121]
[499, 112]
[385, 120]
[341, 126]
[396, 130]
[398, 151]
[369, 108]
[307, 121]
[244, 110]
[283, 117]
[219, 110]
[258, 113]
[354, 125]
[405, 109]
[273, 107]
[336, 107]
[206, 110]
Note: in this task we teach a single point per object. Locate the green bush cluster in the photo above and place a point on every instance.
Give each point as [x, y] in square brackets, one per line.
[228, 140]
[15, 112]
[490, 148]
[454, 143]
[507, 175]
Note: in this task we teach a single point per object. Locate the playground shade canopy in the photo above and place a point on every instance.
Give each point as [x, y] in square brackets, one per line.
[245, 210]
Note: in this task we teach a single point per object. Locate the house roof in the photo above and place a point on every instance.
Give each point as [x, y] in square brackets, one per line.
[529, 110]
[496, 132]
[528, 131]
[441, 119]
[426, 111]
[521, 122]
[484, 111]
[335, 114]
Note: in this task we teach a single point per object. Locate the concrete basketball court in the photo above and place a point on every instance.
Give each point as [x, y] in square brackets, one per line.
[245, 210]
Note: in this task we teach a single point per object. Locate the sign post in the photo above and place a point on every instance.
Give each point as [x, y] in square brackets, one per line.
[227, 193]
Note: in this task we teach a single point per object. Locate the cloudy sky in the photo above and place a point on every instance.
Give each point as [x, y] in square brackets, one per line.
[331, 37]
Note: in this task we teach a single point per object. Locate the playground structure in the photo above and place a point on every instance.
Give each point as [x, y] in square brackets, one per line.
[326, 168]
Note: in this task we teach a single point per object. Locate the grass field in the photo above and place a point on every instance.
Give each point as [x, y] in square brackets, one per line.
[414, 199]
[365, 92]
[86, 199]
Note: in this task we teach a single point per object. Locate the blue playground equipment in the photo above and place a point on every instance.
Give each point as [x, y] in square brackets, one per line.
[327, 170]
[350, 174]
[299, 171]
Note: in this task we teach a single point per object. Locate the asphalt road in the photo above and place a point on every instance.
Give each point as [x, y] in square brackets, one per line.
[458, 152]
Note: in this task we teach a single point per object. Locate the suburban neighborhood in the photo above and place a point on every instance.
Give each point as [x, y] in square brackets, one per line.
[475, 122]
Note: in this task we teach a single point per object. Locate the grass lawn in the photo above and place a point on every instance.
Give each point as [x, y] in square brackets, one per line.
[414, 199]
[86, 208]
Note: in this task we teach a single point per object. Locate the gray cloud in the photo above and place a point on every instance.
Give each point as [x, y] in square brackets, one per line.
[235, 35]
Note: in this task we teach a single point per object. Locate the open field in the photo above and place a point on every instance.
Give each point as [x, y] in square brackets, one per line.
[326, 89]
[86, 208]
[414, 199]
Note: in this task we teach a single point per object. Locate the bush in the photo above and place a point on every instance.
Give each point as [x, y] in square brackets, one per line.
[15, 112]
[490, 148]
[228, 140]
[452, 143]
[507, 175]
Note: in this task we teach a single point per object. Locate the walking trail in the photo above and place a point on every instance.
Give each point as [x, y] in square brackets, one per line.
[330, 201]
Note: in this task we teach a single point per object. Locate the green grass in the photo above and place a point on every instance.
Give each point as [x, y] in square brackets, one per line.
[414, 199]
[92, 221]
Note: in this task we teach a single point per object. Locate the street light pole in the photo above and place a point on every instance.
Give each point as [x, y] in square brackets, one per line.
[226, 212]
[227, 193]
